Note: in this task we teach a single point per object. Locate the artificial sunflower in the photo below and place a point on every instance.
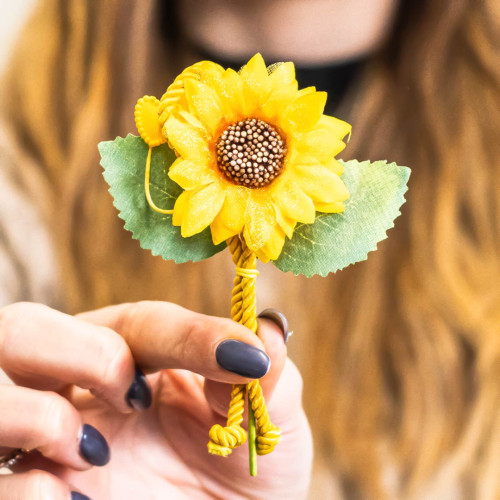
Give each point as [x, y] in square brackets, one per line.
[256, 155]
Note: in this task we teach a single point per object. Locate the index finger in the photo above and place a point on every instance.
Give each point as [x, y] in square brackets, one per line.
[163, 335]
[45, 349]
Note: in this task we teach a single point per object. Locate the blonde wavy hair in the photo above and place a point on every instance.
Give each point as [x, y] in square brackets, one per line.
[400, 354]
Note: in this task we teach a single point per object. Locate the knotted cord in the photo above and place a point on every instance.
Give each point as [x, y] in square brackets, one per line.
[244, 310]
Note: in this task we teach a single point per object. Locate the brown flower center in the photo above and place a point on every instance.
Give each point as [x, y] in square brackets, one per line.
[251, 153]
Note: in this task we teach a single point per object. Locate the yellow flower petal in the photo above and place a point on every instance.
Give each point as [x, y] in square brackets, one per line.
[333, 126]
[294, 203]
[287, 224]
[234, 94]
[320, 144]
[284, 88]
[232, 213]
[187, 140]
[256, 79]
[260, 220]
[305, 91]
[190, 175]
[180, 208]
[330, 208]
[231, 217]
[282, 74]
[214, 77]
[220, 232]
[301, 115]
[202, 207]
[212, 74]
[192, 120]
[278, 100]
[272, 249]
[334, 166]
[302, 155]
[204, 103]
[321, 184]
[255, 70]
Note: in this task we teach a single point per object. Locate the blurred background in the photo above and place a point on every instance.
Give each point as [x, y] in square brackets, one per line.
[12, 17]
[400, 354]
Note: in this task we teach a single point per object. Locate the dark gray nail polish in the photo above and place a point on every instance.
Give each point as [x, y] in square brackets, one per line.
[78, 496]
[93, 447]
[279, 319]
[243, 359]
[139, 394]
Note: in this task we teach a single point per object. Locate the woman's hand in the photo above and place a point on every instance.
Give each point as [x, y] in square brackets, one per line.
[77, 392]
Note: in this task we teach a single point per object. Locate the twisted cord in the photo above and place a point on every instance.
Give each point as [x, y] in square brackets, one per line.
[224, 439]
[244, 307]
[175, 91]
[268, 435]
[243, 301]
[244, 311]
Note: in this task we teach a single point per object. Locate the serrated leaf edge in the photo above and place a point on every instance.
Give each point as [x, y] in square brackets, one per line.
[401, 198]
[126, 223]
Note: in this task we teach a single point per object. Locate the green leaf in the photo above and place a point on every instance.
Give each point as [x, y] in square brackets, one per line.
[124, 162]
[335, 241]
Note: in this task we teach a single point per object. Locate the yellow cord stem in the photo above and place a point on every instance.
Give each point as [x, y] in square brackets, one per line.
[244, 310]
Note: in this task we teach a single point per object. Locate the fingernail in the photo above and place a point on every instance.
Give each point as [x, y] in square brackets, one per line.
[243, 359]
[139, 394]
[93, 447]
[279, 319]
[78, 496]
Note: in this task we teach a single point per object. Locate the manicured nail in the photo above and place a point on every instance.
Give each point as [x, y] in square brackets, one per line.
[243, 359]
[139, 394]
[78, 496]
[93, 447]
[279, 319]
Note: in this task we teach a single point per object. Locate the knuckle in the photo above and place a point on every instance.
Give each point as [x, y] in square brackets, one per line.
[115, 361]
[197, 328]
[56, 414]
[134, 315]
[137, 318]
[41, 485]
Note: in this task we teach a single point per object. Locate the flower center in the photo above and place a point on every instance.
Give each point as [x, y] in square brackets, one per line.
[251, 153]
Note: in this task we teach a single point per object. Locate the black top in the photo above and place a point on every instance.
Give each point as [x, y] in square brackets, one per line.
[333, 78]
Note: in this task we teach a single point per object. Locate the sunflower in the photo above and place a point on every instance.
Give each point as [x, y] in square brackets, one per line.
[255, 155]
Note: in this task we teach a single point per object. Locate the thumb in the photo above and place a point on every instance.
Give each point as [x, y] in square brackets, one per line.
[272, 336]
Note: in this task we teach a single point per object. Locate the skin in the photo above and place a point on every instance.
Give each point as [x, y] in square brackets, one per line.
[311, 32]
[74, 370]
